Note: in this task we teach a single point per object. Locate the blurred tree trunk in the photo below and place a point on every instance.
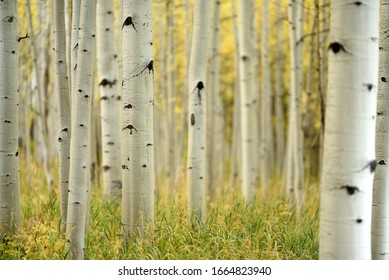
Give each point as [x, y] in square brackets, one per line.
[110, 99]
[248, 102]
[197, 90]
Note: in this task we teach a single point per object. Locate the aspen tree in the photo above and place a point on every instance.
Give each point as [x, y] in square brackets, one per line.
[171, 98]
[110, 99]
[137, 112]
[9, 166]
[197, 90]
[380, 219]
[349, 149]
[248, 120]
[79, 176]
[40, 61]
[294, 168]
[64, 107]
[265, 143]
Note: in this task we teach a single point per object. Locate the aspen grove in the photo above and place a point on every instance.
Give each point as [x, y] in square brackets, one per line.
[194, 129]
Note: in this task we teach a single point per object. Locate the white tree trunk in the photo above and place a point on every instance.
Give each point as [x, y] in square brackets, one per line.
[9, 166]
[266, 123]
[64, 107]
[380, 218]
[171, 98]
[137, 126]
[80, 126]
[197, 111]
[248, 111]
[110, 99]
[349, 148]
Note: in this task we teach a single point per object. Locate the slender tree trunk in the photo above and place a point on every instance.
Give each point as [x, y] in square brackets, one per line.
[137, 109]
[64, 107]
[197, 90]
[349, 149]
[79, 177]
[171, 98]
[9, 167]
[265, 143]
[248, 120]
[380, 219]
[110, 99]
[40, 65]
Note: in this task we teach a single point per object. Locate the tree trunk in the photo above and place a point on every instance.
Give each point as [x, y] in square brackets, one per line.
[137, 124]
[248, 117]
[380, 219]
[9, 167]
[81, 131]
[349, 150]
[197, 89]
[64, 108]
[110, 99]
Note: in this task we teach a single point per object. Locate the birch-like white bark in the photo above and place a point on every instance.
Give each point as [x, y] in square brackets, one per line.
[9, 164]
[248, 123]
[380, 218]
[110, 99]
[349, 147]
[80, 126]
[171, 98]
[197, 90]
[64, 107]
[137, 112]
[265, 140]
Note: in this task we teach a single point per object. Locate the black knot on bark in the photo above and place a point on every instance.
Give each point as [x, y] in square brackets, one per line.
[350, 189]
[382, 162]
[200, 85]
[336, 47]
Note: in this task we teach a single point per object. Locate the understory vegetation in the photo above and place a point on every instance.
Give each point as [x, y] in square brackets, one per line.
[268, 230]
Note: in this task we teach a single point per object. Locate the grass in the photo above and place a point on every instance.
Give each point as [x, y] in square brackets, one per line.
[267, 230]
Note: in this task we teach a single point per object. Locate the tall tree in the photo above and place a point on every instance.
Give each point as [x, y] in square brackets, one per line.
[9, 166]
[197, 110]
[294, 168]
[247, 101]
[79, 178]
[348, 163]
[380, 219]
[137, 112]
[110, 100]
[64, 107]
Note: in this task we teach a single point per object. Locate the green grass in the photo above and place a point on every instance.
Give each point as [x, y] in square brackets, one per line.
[267, 230]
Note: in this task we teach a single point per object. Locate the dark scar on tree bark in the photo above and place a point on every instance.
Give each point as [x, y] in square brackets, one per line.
[128, 22]
[382, 162]
[383, 79]
[131, 128]
[192, 119]
[129, 106]
[23, 37]
[106, 168]
[350, 189]
[105, 82]
[369, 86]
[372, 164]
[337, 47]
[199, 87]
[149, 66]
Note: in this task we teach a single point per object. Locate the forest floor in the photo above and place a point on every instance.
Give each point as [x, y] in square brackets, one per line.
[268, 230]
